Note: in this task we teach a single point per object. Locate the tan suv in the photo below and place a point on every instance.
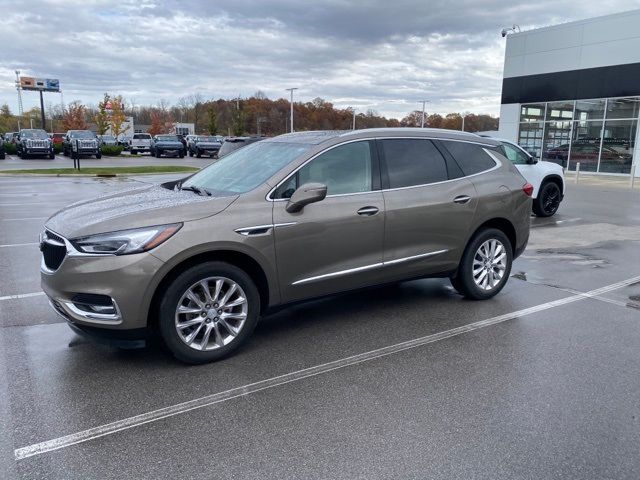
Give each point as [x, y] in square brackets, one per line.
[285, 219]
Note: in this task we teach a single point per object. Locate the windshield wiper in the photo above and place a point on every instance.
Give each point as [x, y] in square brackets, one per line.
[199, 190]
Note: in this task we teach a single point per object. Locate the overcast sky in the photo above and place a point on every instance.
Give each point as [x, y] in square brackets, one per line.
[385, 55]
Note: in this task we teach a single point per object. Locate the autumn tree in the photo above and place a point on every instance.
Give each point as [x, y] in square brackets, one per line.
[117, 117]
[74, 116]
[6, 119]
[102, 117]
[414, 119]
[212, 119]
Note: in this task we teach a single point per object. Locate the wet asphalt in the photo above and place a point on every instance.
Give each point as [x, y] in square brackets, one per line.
[551, 392]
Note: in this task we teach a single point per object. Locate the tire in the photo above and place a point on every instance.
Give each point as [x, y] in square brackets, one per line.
[225, 342]
[190, 153]
[99, 156]
[158, 154]
[464, 281]
[181, 154]
[548, 200]
[52, 156]
[65, 152]
[199, 155]
[2, 156]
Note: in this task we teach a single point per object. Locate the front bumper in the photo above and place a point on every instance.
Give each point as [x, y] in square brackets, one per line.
[124, 279]
[37, 151]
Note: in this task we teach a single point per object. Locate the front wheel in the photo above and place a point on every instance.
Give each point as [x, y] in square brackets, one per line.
[99, 156]
[485, 265]
[548, 200]
[208, 311]
[190, 153]
[52, 156]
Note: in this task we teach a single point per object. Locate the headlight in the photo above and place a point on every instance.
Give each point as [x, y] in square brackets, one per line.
[125, 242]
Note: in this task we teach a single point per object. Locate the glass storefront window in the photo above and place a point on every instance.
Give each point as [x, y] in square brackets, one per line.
[585, 146]
[530, 138]
[589, 110]
[618, 145]
[600, 134]
[532, 112]
[556, 142]
[623, 108]
[560, 111]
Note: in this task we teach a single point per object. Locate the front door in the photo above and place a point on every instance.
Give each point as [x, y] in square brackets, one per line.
[335, 244]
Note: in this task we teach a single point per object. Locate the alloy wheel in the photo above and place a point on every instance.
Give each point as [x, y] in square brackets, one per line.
[489, 264]
[211, 313]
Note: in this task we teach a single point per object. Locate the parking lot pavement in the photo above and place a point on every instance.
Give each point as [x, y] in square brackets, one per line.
[404, 381]
[13, 162]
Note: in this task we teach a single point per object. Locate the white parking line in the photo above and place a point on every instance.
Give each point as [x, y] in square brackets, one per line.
[557, 222]
[21, 295]
[155, 415]
[18, 244]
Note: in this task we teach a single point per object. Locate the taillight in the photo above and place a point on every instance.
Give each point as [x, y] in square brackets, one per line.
[527, 188]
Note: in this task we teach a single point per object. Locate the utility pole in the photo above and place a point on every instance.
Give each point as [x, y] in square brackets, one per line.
[464, 115]
[353, 126]
[291, 114]
[424, 102]
[44, 125]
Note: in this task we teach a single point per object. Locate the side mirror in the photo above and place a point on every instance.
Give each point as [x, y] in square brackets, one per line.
[531, 160]
[306, 194]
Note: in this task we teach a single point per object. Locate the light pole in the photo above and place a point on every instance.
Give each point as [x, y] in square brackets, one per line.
[291, 114]
[464, 116]
[20, 110]
[353, 125]
[424, 102]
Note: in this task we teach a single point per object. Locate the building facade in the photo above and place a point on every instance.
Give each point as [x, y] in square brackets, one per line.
[571, 93]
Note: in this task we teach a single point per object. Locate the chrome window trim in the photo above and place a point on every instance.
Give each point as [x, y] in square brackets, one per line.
[372, 266]
[479, 142]
[246, 231]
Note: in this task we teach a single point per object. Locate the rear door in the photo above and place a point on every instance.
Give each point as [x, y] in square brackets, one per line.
[429, 207]
[335, 244]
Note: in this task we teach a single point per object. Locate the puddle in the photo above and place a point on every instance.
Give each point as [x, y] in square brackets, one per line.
[572, 257]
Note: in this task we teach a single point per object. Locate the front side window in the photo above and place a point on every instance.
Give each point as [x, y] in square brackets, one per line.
[470, 156]
[344, 169]
[514, 154]
[413, 162]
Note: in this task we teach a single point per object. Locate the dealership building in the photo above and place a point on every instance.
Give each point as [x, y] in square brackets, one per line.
[571, 93]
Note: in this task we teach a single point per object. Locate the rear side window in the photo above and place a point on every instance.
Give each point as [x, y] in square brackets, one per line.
[413, 162]
[470, 156]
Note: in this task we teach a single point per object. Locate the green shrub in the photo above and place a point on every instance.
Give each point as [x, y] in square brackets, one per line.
[57, 148]
[10, 148]
[111, 150]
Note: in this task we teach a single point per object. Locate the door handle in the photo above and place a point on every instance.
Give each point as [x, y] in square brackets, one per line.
[368, 211]
[462, 199]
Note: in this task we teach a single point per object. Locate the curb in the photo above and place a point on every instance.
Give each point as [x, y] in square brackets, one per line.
[87, 175]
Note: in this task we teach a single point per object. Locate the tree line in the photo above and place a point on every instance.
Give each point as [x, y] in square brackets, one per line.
[242, 116]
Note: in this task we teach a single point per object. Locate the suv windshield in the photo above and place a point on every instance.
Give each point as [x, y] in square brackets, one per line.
[81, 134]
[141, 136]
[207, 139]
[245, 169]
[37, 134]
[168, 138]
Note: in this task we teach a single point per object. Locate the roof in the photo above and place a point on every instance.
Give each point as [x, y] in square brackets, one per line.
[318, 137]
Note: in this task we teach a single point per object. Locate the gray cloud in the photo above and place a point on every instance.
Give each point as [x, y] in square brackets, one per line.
[370, 54]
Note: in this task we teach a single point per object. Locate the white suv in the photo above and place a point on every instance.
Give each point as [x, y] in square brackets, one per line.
[547, 178]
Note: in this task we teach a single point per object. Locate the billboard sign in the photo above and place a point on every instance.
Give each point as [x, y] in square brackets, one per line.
[40, 84]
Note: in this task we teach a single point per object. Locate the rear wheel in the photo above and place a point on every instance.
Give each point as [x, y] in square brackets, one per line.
[190, 153]
[208, 311]
[52, 156]
[485, 265]
[548, 200]
[199, 154]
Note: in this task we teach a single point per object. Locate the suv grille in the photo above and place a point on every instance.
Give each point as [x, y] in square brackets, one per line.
[53, 250]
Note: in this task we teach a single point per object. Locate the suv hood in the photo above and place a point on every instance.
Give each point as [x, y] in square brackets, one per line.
[141, 207]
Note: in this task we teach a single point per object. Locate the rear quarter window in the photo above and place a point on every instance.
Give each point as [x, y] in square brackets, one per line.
[471, 157]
